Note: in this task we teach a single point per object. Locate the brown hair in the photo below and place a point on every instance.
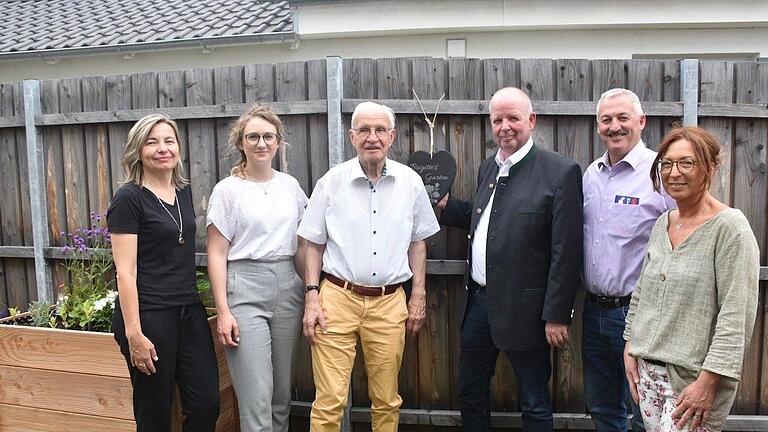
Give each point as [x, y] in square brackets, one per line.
[706, 147]
[238, 126]
[137, 137]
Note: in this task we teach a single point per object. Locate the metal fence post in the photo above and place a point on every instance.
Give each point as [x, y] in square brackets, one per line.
[37, 193]
[335, 84]
[335, 92]
[689, 83]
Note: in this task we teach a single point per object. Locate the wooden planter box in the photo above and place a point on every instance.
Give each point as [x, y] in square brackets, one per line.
[75, 381]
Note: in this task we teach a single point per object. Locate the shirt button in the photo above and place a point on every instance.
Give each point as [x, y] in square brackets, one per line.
[374, 191]
[374, 232]
[374, 273]
[479, 211]
[374, 253]
[663, 277]
[374, 212]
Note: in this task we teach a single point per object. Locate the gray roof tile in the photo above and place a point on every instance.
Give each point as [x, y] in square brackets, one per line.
[36, 25]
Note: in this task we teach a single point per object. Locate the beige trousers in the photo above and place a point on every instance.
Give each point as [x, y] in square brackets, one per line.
[379, 322]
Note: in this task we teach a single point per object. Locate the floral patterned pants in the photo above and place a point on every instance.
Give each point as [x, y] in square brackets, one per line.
[657, 399]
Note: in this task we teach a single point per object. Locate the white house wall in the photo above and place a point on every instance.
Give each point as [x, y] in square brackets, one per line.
[501, 28]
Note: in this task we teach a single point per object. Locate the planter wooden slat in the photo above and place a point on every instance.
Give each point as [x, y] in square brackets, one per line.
[78, 381]
[61, 350]
[18, 418]
[66, 391]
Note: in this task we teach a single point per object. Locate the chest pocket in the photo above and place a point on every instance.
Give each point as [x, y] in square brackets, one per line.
[625, 219]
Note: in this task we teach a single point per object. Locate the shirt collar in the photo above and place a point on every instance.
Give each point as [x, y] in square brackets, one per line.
[633, 158]
[516, 156]
[358, 173]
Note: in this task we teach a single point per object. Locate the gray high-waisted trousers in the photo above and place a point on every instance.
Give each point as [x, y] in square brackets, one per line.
[267, 300]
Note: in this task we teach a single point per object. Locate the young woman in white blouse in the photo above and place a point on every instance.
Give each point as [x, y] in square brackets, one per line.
[253, 258]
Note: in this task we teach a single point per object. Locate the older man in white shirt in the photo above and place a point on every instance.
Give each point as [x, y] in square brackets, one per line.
[365, 223]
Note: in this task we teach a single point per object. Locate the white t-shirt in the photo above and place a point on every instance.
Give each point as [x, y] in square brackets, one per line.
[367, 229]
[258, 225]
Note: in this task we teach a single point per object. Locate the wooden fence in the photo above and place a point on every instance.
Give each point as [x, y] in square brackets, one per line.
[63, 157]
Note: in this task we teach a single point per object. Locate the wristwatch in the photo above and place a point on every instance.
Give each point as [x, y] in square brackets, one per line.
[309, 288]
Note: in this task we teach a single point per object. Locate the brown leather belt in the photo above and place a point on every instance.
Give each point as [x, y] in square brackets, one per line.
[377, 291]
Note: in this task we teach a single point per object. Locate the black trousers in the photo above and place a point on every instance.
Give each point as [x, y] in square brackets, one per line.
[186, 357]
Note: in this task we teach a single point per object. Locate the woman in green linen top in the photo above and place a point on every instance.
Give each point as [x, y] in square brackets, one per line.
[693, 310]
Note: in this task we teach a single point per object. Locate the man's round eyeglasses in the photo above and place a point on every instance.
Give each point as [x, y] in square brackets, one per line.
[685, 166]
[254, 138]
[380, 132]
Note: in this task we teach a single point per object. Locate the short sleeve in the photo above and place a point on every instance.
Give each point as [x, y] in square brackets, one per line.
[301, 200]
[312, 226]
[424, 221]
[125, 211]
[220, 211]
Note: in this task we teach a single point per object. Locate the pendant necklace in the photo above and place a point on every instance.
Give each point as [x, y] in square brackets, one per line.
[264, 186]
[180, 223]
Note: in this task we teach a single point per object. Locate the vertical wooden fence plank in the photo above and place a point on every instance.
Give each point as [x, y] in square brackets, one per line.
[497, 74]
[606, 75]
[291, 85]
[96, 151]
[10, 217]
[259, 83]
[118, 98]
[537, 78]
[671, 93]
[359, 83]
[54, 167]
[750, 192]
[645, 79]
[437, 343]
[75, 176]
[394, 82]
[317, 87]
[202, 152]
[717, 87]
[172, 93]
[573, 141]
[228, 88]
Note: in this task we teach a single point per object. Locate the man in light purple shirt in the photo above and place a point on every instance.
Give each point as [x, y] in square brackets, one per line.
[620, 208]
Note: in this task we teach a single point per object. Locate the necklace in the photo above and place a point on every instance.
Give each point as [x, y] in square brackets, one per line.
[180, 223]
[263, 185]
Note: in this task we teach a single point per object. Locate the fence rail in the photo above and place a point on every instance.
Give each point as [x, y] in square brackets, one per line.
[60, 147]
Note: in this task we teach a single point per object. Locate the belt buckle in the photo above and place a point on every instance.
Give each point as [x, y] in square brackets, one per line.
[383, 290]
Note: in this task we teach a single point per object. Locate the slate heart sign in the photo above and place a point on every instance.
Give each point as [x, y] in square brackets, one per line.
[437, 172]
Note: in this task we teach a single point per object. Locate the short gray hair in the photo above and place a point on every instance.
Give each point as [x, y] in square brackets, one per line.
[368, 105]
[620, 92]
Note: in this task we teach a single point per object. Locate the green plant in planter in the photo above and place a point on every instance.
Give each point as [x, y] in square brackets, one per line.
[40, 313]
[88, 301]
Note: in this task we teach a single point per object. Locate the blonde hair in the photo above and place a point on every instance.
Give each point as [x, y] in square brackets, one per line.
[137, 138]
[238, 126]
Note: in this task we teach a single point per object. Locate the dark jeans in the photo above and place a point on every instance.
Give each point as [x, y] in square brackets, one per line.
[605, 385]
[477, 364]
[186, 357]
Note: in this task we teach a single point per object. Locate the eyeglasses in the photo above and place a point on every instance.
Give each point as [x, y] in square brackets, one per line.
[381, 132]
[685, 166]
[254, 138]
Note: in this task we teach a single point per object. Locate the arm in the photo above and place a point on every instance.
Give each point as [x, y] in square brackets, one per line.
[417, 310]
[455, 213]
[142, 350]
[218, 249]
[299, 260]
[566, 256]
[313, 309]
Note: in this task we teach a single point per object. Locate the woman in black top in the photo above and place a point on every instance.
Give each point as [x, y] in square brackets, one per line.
[159, 321]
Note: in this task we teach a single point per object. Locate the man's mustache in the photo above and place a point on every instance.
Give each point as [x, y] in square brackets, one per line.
[621, 132]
